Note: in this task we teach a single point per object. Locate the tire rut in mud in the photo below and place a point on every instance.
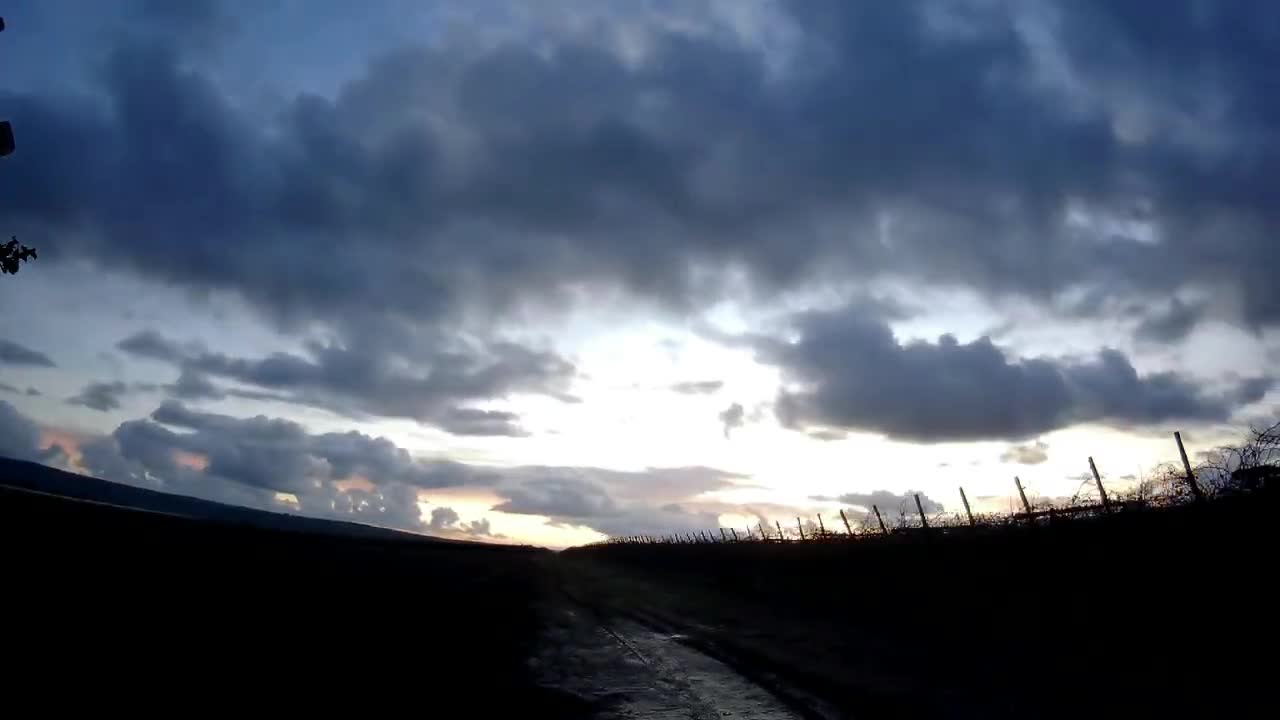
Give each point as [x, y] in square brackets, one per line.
[622, 669]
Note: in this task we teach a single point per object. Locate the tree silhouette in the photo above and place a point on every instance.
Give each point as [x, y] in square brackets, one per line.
[13, 254]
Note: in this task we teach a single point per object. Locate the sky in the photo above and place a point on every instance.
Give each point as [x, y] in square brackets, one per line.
[550, 272]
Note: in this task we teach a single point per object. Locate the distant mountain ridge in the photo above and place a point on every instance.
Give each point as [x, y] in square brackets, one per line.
[35, 477]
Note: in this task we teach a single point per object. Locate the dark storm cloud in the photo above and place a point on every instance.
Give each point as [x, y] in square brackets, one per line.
[847, 371]
[450, 183]
[886, 501]
[373, 380]
[1028, 454]
[9, 388]
[11, 353]
[698, 387]
[100, 396]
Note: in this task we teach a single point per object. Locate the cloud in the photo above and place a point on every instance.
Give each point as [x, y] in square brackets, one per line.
[698, 387]
[656, 501]
[885, 500]
[192, 385]
[558, 497]
[100, 396]
[281, 455]
[732, 417]
[847, 371]
[151, 344]
[247, 461]
[827, 435]
[443, 518]
[480, 528]
[19, 436]
[1038, 150]
[1172, 323]
[11, 353]
[9, 388]
[432, 385]
[1028, 454]
[33, 392]
[353, 476]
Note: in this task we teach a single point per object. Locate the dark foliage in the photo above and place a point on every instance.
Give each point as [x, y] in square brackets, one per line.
[13, 254]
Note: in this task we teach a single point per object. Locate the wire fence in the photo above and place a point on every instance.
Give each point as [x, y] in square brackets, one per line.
[1251, 467]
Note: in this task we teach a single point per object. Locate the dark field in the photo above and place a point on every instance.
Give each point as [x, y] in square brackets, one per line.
[1157, 613]
[107, 607]
[1169, 612]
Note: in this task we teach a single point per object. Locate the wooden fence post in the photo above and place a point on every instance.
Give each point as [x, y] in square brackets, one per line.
[924, 521]
[781, 537]
[845, 518]
[735, 534]
[1106, 506]
[964, 499]
[763, 535]
[1023, 494]
[880, 520]
[801, 526]
[822, 530]
[723, 537]
[1186, 465]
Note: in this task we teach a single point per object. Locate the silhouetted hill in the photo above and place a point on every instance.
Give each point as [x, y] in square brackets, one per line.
[40, 478]
[120, 594]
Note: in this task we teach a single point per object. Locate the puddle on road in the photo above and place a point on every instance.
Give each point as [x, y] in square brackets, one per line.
[628, 671]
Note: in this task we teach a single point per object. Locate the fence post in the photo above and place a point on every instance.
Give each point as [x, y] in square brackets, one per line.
[760, 527]
[1106, 506]
[924, 521]
[735, 534]
[880, 520]
[723, 537]
[801, 526]
[1186, 465]
[781, 537]
[845, 518]
[1023, 494]
[964, 499]
[822, 530]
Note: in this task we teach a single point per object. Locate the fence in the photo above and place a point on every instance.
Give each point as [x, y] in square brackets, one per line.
[1171, 487]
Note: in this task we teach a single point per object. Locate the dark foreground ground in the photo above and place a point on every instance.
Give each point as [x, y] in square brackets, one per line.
[104, 607]
[1162, 613]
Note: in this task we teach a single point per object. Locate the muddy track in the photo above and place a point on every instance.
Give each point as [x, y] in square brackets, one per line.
[629, 666]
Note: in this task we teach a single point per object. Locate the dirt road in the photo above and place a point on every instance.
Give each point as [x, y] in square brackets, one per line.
[622, 669]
